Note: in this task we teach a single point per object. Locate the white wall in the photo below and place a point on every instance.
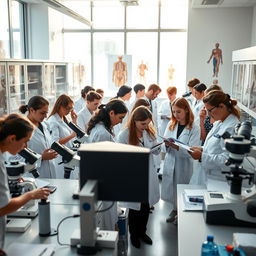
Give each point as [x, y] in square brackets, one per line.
[253, 41]
[231, 27]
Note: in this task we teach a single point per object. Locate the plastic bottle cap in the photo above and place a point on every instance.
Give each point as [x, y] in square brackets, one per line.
[210, 238]
[229, 248]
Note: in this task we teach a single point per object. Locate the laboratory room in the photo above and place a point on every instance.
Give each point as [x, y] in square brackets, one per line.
[127, 127]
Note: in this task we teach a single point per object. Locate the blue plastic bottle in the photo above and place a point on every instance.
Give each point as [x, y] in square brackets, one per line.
[209, 248]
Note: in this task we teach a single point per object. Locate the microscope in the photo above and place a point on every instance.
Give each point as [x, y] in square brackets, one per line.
[238, 207]
[69, 158]
[15, 170]
[81, 136]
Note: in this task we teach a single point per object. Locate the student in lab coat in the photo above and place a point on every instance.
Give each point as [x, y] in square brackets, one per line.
[139, 132]
[124, 93]
[151, 95]
[15, 132]
[178, 164]
[165, 112]
[139, 90]
[191, 83]
[41, 139]
[79, 104]
[100, 128]
[93, 100]
[198, 103]
[213, 155]
[59, 129]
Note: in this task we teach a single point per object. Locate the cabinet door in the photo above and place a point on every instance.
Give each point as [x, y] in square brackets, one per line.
[49, 90]
[17, 94]
[34, 80]
[61, 80]
[3, 91]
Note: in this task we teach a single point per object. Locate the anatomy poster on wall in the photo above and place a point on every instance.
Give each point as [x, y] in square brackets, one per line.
[119, 67]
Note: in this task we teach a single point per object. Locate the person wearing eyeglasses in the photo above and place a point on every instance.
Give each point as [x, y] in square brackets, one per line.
[213, 155]
[58, 125]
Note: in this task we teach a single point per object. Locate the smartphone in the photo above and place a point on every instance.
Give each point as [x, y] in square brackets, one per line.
[51, 188]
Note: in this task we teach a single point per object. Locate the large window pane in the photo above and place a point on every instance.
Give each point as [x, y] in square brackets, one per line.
[108, 14]
[81, 7]
[173, 54]
[144, 15]
[105, 45]
[4, 30]
[174, 14]
[18, 30]
[143, 48]
[77, 48]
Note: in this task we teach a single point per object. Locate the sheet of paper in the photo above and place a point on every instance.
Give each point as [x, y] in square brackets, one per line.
[178, 143]
[30, 249]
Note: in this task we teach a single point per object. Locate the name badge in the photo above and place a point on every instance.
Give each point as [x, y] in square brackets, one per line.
[217, 136]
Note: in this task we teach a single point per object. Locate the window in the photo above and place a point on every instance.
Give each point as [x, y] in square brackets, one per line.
[4, 30]
[143, 48]
[108, 14]
[17, 29]
[143, 16]
[105, 45]
[77, 49]
[158, 43]
[173, 55]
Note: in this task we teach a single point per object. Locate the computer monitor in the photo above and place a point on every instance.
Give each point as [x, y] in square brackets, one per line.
[122, 171]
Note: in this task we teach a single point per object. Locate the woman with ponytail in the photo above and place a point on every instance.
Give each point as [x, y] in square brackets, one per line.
[100, 128]
[41, 140]
[15, 132]
[213, 155]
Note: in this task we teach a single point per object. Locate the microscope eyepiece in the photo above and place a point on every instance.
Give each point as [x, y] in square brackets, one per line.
[77, 130]
[29, 155]
[66, 153]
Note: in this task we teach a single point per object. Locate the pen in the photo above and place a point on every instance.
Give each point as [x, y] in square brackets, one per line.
[42, 252]
[196, 200]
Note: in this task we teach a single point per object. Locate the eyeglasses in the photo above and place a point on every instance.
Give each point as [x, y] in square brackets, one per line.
[68, 108]
[210, 110]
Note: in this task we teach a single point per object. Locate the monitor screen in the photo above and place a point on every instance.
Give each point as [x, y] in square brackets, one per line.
[121, 170]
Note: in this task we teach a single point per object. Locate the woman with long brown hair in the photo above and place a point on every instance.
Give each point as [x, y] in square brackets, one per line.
[178, 164]
[139, 132]
[59, 128]
[15, 132]
[213, 155]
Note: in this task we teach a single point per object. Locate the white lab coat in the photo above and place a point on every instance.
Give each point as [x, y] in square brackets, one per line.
[59, 129]
[164, 109]
[154, 194]
[178, 163]
[214, 153]
[83, 118]
[119, 127]
[154, 110]
[39, 142]
[79, 104]
[196, 111]
[110, 217]
[4, 197]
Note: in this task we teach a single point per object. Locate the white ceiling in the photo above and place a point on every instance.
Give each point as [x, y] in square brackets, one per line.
[223, 3]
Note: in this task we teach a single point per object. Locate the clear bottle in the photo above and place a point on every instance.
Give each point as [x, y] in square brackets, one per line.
[209, 248]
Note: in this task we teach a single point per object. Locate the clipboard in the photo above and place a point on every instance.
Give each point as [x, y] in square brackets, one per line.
[178, 143]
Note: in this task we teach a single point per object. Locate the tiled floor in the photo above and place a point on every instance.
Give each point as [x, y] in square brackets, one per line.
[164, 235]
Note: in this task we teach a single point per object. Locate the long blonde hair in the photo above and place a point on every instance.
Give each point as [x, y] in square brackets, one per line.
[140, 113]
[183, 104]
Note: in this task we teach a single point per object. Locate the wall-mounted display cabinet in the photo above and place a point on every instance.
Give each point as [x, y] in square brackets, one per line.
[23, 79]
[244, 79]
